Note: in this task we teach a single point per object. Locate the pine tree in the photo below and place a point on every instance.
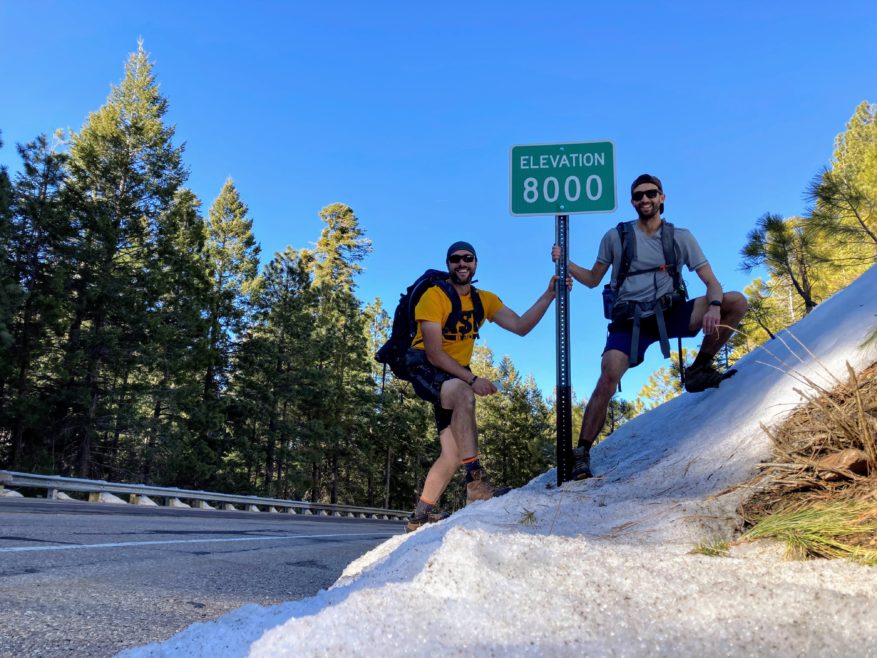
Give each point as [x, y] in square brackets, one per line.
[340, 339]
[273, 378]
[36, 234]
[401, 441]
[844, 196]
[8, 290]
[515, 429]
[233, 266]
[123, 174]
[789, 249]
[176, 354]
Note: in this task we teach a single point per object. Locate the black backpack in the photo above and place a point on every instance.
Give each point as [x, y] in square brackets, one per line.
[393, 352]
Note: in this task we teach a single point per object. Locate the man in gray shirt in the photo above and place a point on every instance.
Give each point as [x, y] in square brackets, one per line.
[647, 289]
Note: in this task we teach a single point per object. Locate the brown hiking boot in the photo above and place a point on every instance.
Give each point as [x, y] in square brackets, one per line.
[479, 487]
[581, 469]
[700, 378]
[417, 521]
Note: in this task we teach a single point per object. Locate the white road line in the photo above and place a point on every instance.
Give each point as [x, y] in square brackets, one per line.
[136, 544]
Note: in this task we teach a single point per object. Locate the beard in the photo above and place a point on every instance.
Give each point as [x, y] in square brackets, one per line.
[645, 217]
[460, 282]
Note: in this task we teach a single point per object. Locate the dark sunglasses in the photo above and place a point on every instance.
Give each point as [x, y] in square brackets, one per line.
[638, 196]
[456, 258]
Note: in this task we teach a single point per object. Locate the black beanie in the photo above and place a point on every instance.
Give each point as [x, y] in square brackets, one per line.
[461, 244]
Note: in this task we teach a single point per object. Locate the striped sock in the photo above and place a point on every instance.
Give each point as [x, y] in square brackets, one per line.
[472, 464]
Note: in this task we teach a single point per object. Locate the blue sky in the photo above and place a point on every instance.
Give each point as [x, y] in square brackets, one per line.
[407, 111]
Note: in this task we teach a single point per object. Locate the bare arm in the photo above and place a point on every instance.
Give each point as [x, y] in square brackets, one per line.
[521, 325]
[589, 277]
[713, 287]
[713, 315]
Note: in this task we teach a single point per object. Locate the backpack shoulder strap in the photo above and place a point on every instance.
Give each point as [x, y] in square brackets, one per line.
[668, 244]
[426, 281]
[456, 304]
[477, 307]
[628, 251]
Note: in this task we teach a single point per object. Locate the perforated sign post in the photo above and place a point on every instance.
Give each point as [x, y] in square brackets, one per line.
[562, 180]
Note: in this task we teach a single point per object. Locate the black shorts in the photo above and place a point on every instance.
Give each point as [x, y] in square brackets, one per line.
[427, 381]
[676, 320]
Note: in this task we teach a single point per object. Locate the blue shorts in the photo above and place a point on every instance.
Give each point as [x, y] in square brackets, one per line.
[676, 320]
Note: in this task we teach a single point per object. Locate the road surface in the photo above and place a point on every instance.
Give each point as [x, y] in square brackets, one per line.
[88, 579]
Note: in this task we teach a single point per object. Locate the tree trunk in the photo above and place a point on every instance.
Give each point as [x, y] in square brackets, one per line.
[315, 482]
[387, 479]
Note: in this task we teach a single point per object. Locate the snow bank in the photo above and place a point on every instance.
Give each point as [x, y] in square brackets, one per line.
[602, 567]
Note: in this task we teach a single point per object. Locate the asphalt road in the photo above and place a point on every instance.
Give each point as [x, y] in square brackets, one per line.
[87, 579]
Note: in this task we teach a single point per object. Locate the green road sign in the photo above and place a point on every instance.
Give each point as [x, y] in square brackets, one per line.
[562, 179]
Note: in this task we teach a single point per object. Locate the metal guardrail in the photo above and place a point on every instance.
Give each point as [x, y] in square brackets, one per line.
[142, 494]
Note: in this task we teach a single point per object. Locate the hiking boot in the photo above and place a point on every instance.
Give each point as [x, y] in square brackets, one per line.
[418, 520]
[479, 487]
[700, 378]
[581, 469]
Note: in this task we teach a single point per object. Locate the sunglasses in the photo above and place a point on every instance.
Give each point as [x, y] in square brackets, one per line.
[456, 258]
[638, 196]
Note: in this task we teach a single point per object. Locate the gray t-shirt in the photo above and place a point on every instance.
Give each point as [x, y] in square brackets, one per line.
[648, 254]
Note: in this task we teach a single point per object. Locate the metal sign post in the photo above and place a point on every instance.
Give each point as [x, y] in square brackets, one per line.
[563, 406]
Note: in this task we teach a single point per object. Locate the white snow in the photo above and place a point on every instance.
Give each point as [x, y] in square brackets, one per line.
[603, 567]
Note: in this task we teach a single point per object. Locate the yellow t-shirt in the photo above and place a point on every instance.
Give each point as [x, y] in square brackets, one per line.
[434, 306]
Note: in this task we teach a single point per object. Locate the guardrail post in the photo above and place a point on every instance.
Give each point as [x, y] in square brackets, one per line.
[104, 497]
[140, 499]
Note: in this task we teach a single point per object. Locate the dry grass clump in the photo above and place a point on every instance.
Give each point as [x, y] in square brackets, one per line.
[819, 494]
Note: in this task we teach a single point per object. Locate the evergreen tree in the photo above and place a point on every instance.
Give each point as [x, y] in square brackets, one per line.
[123, 174]
[618, 413]
[845, 195]
[8, 291]
[340, 340]
[402, 438]
[273, 378]
[233, 266]
[789, 249]
[36, 235]
[515, 430]
[176, 354]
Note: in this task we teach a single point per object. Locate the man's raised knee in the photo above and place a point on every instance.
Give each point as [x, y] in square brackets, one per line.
[736, 302]
[457, 393]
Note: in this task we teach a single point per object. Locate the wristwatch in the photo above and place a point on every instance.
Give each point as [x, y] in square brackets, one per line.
[715, 302]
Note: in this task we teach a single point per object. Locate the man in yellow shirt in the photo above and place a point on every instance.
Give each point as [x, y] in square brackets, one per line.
[439, 371]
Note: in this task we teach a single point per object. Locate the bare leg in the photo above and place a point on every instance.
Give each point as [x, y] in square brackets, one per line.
[612, 368]
[458, 396]
[459, 441]
[734, 307]
[442, 471]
